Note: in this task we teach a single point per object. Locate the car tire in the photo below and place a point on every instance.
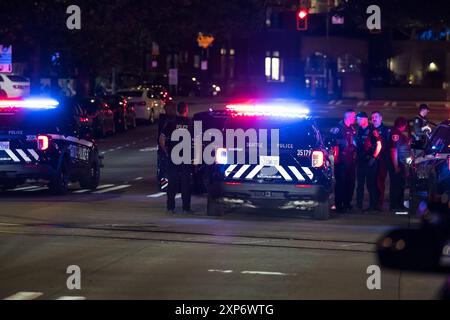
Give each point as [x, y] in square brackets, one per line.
[92, 178]
[215, 208]
[59, 185]
[322, 211]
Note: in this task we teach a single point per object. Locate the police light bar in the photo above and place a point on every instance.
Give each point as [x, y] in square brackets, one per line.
[275, 109]
[32, 103]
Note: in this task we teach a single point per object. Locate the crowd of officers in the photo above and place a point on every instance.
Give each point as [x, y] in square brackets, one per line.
[365, 155]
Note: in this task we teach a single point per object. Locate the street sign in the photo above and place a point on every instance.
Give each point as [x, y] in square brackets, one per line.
[204, 41]
[173, 77]
[6, 59]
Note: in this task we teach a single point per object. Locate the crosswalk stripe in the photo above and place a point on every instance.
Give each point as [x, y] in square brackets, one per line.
[25, 296]
[112, 189]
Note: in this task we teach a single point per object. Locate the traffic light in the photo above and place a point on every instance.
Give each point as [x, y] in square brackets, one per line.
[302, 20]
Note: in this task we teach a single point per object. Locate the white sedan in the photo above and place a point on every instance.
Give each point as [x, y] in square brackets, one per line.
[13, 86]
[146, 103]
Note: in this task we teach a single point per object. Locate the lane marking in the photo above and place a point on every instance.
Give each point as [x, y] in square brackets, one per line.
[265, 273]
[156, 195]
[139, 179]
[112, 189]
[37, 189]
[25, 296]
[9, 224]
[24, 188]
[178, 196]
[71, 298]
[82, 191]
[149, 149]
[220, 271]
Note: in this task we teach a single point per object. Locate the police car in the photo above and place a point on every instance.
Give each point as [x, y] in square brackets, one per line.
[432, 171]
[45, 142]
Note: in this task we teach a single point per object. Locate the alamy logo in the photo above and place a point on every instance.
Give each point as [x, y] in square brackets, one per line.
[73, 22]
[374, 20]
[74, 280]
[374, 280]
[243, 147]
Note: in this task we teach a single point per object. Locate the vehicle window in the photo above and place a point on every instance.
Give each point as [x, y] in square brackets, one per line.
[299, 133]
[440, 141]
[17, 79]
[34, 120]
[133, 94]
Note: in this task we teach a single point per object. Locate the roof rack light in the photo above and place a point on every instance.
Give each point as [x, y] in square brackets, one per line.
[32, 103]
[289, 110]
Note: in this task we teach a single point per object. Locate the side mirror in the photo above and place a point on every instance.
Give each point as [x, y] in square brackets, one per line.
[419, 250]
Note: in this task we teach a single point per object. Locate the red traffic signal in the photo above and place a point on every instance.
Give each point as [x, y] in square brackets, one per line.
[302, 20]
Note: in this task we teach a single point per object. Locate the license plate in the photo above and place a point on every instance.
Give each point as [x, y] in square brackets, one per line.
[269, 161]
[4, 145]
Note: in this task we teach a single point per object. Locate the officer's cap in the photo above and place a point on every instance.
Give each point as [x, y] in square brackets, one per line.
[362, 115]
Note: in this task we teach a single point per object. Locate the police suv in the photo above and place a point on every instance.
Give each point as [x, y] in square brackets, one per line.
[432, 171]
[297, 176]
[45, 142]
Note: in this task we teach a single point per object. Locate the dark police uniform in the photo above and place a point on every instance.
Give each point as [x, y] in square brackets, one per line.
[177, 174]
[345, 165]
[419, 131]
[403, 145]
[383, 163]
[366, 142]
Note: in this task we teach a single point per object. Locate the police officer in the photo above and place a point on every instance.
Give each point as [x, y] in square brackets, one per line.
[344, 161]
[400, 153]
[177, 174]
[383, 160]
[421, 128]
[368, 148]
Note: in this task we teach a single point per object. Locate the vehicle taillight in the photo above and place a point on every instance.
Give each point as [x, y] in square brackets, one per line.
[43, 142]
[84, 119]
[318, 159]
[221, 156]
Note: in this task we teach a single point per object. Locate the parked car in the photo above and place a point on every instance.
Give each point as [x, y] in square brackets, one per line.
[13, 86]
[195, 87]
[162, 93]
[147, 105]
[124, 113]
[99, 115]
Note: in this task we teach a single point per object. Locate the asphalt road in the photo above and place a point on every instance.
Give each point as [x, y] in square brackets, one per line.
[128, 247]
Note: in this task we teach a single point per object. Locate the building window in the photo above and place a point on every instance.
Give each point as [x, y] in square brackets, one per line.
[273, 67]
